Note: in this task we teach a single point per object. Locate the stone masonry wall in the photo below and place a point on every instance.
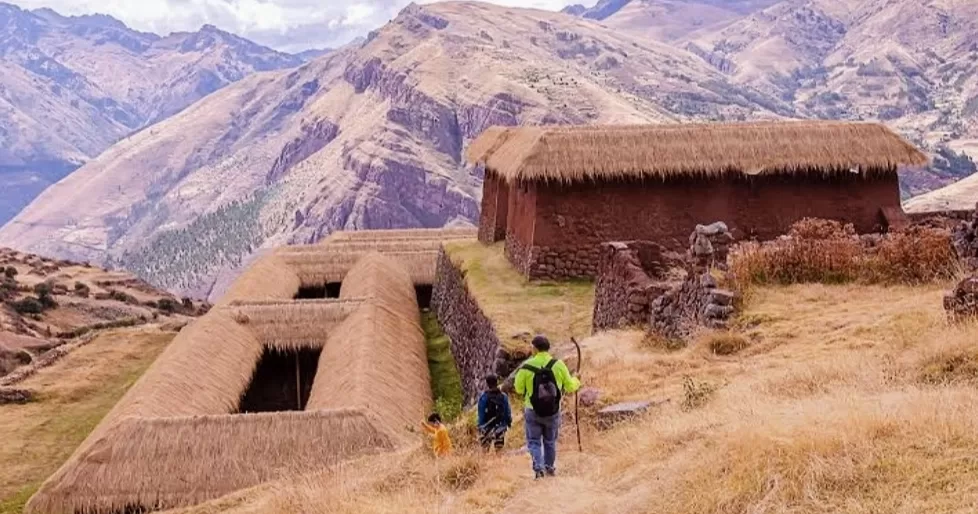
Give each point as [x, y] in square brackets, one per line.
[474, 340]
[570, 222]
[626, 285]
[641, 284]
[965, 237]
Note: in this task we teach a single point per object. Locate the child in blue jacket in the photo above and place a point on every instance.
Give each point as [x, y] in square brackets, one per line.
[495, 417]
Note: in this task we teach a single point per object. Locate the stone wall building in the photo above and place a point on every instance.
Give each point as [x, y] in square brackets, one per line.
[554, 194]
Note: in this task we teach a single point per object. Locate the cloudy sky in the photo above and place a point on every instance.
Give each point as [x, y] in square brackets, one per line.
[289, 25]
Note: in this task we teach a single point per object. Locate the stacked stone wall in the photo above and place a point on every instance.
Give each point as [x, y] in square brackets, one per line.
[697, 302]
[965, 238]
[548, 263]
[642, 284]
[626, 286]
[474, 341]
[570, 222]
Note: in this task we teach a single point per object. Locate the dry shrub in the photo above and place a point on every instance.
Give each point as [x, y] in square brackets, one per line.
[829, 252]
[950, 364]
[653, 341]
[462, 472]
[696, 394]
[727, 343]
[915, 256]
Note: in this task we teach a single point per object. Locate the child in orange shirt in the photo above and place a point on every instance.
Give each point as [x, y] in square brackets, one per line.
[441, 443]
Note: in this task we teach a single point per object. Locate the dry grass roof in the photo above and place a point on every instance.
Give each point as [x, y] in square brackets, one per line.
[175, 438]
[160, 463]
[583, 153]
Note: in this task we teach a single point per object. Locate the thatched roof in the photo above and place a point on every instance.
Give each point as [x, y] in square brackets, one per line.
[583, 153]
[175, 439]
[160, 463]
[279, 274]
[385, 363]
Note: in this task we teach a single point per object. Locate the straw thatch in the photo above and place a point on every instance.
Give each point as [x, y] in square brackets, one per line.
[328, 266]
[161, 463]
[377, 357]
[437, 234]
[294, 325]
[270, 278]
[175, 438]
[583, 153]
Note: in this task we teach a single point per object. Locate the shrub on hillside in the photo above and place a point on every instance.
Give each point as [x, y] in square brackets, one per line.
[830, 252]
[10, 272]
[29, 305]
[82, 290]
[168, 305]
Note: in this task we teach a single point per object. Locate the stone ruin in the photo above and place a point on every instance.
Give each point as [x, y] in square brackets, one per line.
[965, 238]
[962, 303]
[641, 284]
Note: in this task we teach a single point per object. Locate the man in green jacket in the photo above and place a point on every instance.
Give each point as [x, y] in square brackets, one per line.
[542, 380]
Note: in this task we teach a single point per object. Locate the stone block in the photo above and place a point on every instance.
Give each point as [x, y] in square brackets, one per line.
[614, 414]
[15, 396]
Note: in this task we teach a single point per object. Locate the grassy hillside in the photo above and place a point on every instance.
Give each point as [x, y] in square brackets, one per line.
[72, 397]
[846, 398]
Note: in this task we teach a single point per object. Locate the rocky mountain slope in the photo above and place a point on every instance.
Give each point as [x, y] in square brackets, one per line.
[45, 303]
[73, 86]
[369, 136]
[910, 63]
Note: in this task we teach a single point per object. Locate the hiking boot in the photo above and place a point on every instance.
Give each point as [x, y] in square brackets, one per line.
[551, 472]
[537, 475]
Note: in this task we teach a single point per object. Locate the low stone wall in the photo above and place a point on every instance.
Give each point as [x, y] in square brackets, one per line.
[697, 302]
[518, 254]
[564, 263]
[474, 340]
[642, 284]
[630, 277]
[965, 238]
[962, 303]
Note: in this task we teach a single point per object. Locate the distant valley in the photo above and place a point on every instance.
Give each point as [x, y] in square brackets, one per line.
[73, 86]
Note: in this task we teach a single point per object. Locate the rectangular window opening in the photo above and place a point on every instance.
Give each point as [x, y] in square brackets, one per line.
[423, 293]
[282, 381]
[319, 291]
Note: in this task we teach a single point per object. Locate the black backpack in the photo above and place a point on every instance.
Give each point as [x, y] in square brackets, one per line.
[494, 408]
[545, 397]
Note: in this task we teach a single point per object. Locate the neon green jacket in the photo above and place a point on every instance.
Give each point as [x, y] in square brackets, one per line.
[524, 377]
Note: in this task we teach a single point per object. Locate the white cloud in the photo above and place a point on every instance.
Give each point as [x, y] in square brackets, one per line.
[286, 24]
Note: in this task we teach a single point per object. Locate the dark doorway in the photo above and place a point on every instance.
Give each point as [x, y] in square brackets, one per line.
[282, 381]
[319, 291]
[423, 293]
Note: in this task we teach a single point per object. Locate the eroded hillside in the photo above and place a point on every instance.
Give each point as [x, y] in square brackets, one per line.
[46, 305]
[367, 137]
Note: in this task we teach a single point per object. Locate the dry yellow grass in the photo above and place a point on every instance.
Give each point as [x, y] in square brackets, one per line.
[568, 154]
[558, 309]
[833, 407]
[73, 395]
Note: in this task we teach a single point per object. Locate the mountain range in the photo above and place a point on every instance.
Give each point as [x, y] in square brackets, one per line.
[371, 135]
[73, 86]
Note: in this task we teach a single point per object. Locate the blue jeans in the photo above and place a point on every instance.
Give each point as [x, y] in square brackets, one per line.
[541, 439]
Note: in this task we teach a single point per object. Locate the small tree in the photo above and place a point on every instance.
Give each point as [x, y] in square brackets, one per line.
[10, 272]
[28, 305]
[168, 305]
[43, 289]
[82, 290]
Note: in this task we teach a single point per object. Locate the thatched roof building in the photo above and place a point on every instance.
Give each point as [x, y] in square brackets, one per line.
[261, 388]
[555, 193]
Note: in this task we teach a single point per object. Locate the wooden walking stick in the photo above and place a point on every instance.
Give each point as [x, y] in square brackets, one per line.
[577, 400]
